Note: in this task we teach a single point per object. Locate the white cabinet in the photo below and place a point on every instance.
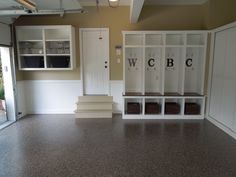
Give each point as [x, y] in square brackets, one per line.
[164, 74]
[222, 90]
[46, 47]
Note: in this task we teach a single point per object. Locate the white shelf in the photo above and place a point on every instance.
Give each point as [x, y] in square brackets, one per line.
[31, 55]
[31, 40]
[197, 46]
[153, 46]
[58, 54]
[57, 40]
[175, 46]
[133, 46]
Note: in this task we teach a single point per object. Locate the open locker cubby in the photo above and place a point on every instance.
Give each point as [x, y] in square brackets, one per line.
[134, 39]
[153, 71]
[133, 106]
[196, 39]
[133, 70]
[25, 34]
[32, 62]
[164, 71]
[31, 47]
[194, 71]
[153, 39]
[174, 39]
[193, 106]
[153, 106]
[174, 71]
[173, 106]
[58, 61]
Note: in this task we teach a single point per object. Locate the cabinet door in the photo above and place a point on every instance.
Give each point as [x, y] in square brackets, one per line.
[228, 101]
[223, 88]
[217, 75]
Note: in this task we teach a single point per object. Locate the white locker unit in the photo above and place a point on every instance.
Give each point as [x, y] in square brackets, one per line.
[164, 71]
[46, 47]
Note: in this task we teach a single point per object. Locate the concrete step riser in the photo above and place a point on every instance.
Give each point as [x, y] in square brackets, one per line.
[94, 106]
[95, 99]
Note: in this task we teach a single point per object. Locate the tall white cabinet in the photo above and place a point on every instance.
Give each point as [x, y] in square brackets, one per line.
[164, 74]
[46, 47]
[222, 81]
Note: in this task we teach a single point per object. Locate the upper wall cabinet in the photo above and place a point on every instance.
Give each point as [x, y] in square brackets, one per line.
[46, 47]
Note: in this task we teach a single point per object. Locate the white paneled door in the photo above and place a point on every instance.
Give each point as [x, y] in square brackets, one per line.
[94, 48]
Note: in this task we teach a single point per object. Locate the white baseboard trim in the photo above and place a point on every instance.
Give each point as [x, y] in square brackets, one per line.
[21, 99]
[222, 127]
[51, 111]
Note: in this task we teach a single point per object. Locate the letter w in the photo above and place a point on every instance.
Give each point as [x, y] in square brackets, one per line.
[132, 61]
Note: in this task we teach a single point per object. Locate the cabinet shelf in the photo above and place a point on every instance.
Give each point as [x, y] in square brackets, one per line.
[30, 40]
[31, 55]
[153, 46]
[191, 94]
[172, 94]
[57, 40]
[174, 46]
[196, 46]
[132, 94]
[133, 46]
[152, 94]
[57, 54]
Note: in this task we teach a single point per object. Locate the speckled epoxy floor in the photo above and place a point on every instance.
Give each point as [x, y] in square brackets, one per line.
[60, 146]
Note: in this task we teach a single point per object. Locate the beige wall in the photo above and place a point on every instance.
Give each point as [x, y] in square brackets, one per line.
[219, 13]
[152, 18]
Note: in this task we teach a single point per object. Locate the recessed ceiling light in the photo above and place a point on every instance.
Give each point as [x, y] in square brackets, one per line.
[113, 3]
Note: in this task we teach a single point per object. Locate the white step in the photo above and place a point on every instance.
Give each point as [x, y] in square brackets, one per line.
[93, 114]
[93, 99]
[94, 106]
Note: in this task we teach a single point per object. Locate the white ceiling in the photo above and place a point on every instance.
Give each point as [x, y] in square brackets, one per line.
[55, 4]
[102, 2]
[78, 4]
[75, 4]
[7, 4]
[43, 4]
[148, 2]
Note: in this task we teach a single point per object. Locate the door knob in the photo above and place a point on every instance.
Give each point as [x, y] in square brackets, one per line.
[105, 62]
[105, 66]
